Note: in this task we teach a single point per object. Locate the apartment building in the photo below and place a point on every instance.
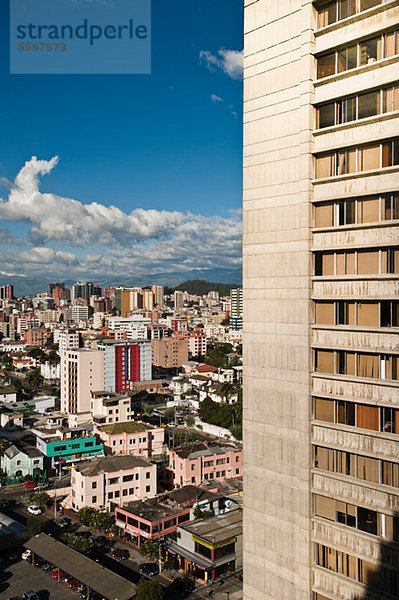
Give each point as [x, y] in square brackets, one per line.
[125, 362]
[82, 371]
[112, 481]
[36, 337]
[191, 464]
[169, 352]
[321, 264]
[131, 437]
[67, 340]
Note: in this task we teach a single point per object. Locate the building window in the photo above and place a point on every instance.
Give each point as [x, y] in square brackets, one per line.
[93, 499]
[148, 474]
[147, 488]
[110, 495]
[94, 485]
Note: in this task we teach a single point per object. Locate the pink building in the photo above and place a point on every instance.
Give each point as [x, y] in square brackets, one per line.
[198, 462]
[131, 437]
[104, 483]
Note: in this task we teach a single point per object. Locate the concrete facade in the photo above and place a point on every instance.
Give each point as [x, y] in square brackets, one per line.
[303, 245]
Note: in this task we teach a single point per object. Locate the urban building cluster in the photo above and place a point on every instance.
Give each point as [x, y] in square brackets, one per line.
[102, 387]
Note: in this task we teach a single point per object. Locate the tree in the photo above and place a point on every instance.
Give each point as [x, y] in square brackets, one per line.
[77, 542]
[236, 431]
[147, 408]
[149, 589]
[42, 499]
[150, 548]
[189, 421]
[102, 520]
[169, 413]
[34, 379]
[34, 526]
[86, 515]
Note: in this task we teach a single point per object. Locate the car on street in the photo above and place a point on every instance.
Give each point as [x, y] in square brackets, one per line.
[149, 569]
[121, 553]
[29, 484]
[30, 595]
[72, 583]
[27, 555]
[62, 522]
[33, 509]
[100, 541]
[42, 485]
[47, 567]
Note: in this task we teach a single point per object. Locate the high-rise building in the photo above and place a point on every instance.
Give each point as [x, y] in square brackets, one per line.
[148, 299]
[321, 264]
[7, 292]
[169, 353]
[178, 299]
[58, 292]
[235, 321]
[125, 363]
[84, 290]
[158, 291]
[82, 372]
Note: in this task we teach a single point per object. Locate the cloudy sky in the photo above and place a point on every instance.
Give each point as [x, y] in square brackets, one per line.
[123, 175]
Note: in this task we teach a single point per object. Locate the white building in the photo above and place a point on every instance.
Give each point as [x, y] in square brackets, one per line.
[82, 372]
[50, 371]
[80, 313]
[67, 340]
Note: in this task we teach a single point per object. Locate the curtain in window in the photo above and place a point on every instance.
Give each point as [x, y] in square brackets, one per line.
[369, 157]
[368, 263]
[350, 363]
[350, 313]
[365, 4]
[324, 507]
[324, 215]
[324, 166]
[368, 210]
[387, 154]
[368, 469]
[327, 264]
[390, 44]
[367, 365]
[324, 410]
[324, 458]
[368, 314]
[326, 65]
[324, 361]
[324, 313]
[367, 417]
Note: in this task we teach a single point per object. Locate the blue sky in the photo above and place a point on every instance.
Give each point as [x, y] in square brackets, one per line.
[166, 146]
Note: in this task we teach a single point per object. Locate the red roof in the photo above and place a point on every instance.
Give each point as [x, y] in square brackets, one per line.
[206, 369]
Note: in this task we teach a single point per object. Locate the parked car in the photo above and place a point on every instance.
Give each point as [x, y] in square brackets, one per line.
[121, 553]
[85, 534]
[62, 522]
[149, 569]
[58, 574]
[47, 567]
[33, 509]
[27, 555]
[72, 583]
[30, 595]
[42, 485]
[100, 541]
[29, 484]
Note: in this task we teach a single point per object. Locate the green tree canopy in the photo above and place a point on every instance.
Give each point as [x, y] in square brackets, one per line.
[150, 548]
[77, 542]
[86, 515]
[42, 499]
[149, 589]
[189, 421]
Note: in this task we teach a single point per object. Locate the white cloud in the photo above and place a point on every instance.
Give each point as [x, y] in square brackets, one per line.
[117, 244]
[6, 237]
[231, 62]
[215, 98]
[63, 219]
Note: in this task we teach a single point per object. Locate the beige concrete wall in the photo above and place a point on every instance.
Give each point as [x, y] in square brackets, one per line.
[278, 168]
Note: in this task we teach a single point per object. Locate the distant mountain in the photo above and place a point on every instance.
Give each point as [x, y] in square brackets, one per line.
[200, 287]
[28, 286]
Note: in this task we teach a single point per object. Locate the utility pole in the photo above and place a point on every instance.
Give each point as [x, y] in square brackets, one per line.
[159, 555]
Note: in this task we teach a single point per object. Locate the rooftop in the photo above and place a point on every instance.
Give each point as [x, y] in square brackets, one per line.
[168, 504]
[98, 578]
[125, 427]
[111, 464]
[196, 449]
[217, 529]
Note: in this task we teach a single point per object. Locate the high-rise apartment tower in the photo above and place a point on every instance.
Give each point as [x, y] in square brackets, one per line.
[321, 266]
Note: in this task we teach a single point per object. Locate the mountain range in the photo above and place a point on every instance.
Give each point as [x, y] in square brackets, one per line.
[28, 286]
